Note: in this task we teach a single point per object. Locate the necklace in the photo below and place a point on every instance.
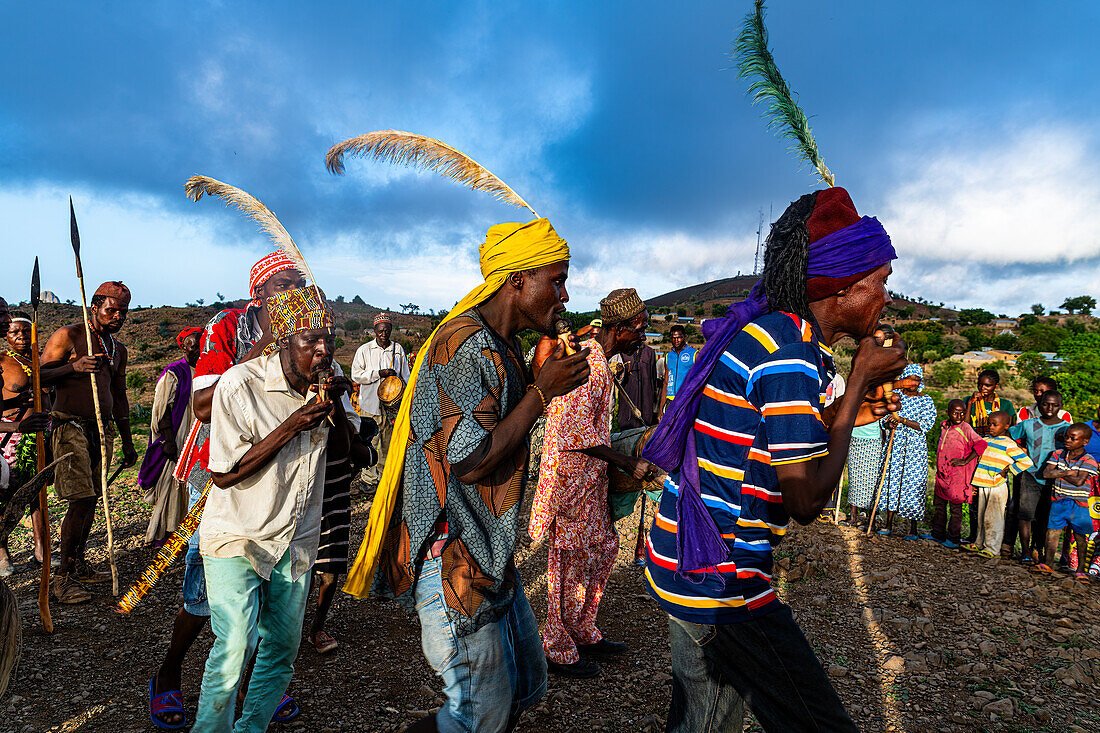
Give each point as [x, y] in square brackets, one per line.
[19, 360]
[110, 354]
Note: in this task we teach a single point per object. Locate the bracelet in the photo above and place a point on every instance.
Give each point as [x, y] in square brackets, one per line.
[541, 396]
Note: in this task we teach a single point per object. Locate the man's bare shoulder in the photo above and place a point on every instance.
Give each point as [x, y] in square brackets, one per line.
[70, 332]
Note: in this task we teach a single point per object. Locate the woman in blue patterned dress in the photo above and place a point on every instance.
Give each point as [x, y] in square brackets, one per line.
[906, 481]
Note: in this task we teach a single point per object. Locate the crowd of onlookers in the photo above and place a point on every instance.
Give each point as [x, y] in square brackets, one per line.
[1027, 478]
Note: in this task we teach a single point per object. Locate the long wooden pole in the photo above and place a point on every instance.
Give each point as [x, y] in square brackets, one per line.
[881, 479]
[43, 503]
[95, 403]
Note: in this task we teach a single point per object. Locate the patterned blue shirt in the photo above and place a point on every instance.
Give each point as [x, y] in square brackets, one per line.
[761, 407]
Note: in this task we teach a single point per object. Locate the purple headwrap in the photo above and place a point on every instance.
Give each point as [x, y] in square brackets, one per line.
[855, 249]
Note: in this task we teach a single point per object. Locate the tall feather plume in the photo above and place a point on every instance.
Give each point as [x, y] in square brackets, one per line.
[755, 61]
[420, 151]
[252, 207]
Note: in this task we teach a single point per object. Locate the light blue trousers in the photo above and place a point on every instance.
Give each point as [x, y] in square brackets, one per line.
[245, 608]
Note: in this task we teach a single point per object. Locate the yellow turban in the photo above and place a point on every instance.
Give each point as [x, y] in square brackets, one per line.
[508, 248]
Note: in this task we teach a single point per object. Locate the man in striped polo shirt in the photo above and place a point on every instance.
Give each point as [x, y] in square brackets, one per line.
[749, 442]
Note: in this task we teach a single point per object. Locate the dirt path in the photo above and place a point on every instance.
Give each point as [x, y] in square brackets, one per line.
[915, 637]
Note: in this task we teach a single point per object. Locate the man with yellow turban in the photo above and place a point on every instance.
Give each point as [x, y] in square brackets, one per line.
[463, 423]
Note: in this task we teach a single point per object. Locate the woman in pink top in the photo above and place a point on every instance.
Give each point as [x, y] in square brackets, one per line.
[956, 456]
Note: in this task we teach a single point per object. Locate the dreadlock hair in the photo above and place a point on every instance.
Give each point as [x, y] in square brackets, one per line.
[786, 259]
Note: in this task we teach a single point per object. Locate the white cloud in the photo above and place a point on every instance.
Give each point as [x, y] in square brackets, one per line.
[1002, 220]
[164, 257]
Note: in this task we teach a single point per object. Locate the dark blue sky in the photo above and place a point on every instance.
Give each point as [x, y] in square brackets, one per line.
[969, 131]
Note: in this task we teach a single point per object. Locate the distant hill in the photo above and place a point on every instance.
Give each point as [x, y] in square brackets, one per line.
[731, 289]
[150, 335]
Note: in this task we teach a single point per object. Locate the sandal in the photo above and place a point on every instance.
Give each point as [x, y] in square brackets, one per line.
[323, 642]
[970, 547]
[1082, 578]
[987, 553]
[884, 532]
[170, 701]
[287, 703]
[1042, 567]
[1025, 560]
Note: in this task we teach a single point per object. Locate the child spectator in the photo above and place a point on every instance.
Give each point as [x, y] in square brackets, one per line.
[1039, 387]
[979, 407]
[956, 458]
[1038, 436]
[1000, 458]
[1074, 474]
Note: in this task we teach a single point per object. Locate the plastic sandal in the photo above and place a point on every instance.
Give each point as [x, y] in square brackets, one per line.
[1042, 567]
[911, 537]
[950, 545]
[987, 553]
[884, 532]
[286, 703]
[970, 547]
[170, 701]
[1082, 578]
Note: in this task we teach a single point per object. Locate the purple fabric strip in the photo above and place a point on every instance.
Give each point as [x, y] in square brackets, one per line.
[854, 249]
[154, 461]
[851, 250]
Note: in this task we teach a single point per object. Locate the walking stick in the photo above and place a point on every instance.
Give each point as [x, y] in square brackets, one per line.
[881, 479]
[40, 455]
[840, 494]
[639, 546]
[74, 235]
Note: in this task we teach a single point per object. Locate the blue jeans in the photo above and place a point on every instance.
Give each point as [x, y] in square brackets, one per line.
[765, 663]
[489, 676]
[245, 608]
[194, 581]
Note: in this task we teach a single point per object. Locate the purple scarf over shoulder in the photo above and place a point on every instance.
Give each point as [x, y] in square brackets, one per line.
[858, 248]
[154, 461]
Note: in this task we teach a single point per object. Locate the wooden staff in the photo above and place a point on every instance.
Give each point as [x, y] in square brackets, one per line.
[74, 235]
[881, 480]
[40, 456]
[839, 494]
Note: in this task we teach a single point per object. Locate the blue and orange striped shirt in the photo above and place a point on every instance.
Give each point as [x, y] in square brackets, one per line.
[760, 408]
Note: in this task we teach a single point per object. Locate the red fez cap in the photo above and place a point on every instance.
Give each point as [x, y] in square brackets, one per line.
[114, 289]
[833, 211]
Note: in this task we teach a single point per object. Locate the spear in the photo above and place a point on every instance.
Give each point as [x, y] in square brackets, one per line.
[74, 235]
[40, 454]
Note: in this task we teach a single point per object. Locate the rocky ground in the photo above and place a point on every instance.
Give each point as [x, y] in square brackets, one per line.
[915, 638]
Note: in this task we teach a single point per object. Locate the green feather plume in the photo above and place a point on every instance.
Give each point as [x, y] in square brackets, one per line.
[755, 61]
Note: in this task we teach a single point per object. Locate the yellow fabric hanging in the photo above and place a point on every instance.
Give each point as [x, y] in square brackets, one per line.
[508, 248]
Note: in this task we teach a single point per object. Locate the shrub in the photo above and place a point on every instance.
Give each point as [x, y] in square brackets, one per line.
[946, 373]
[136, 380]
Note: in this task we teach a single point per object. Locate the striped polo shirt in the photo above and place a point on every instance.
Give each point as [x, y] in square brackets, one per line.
[1063, 488]
[1000, 453]
[760, 408]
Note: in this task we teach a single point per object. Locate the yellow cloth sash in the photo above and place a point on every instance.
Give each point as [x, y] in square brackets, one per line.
[507, 248]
